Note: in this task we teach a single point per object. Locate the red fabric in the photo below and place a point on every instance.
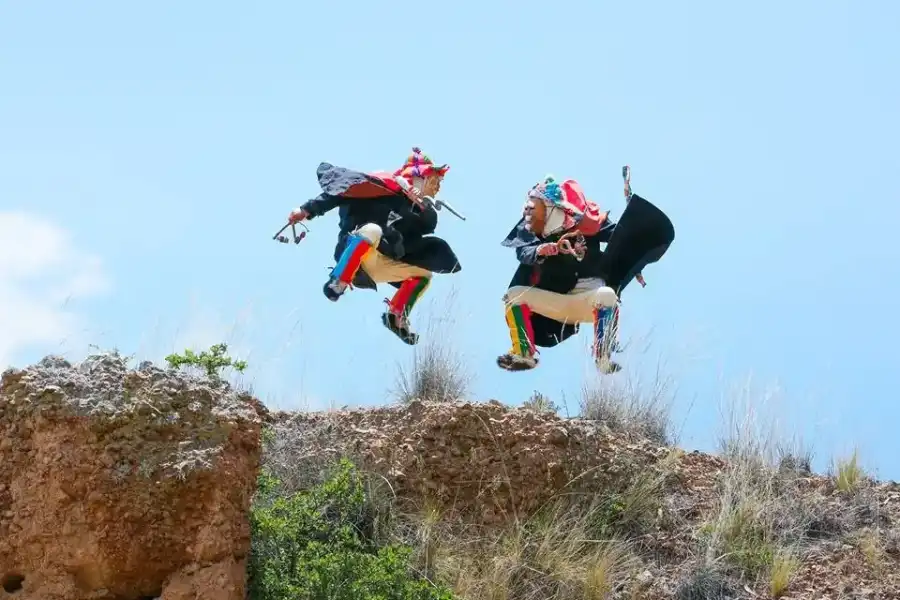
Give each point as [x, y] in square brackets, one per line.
[388, 179]
[417, 165]
[383, 186]
[593, 219]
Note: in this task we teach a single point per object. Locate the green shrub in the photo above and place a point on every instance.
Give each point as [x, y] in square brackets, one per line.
[209, 361]
[317, 544]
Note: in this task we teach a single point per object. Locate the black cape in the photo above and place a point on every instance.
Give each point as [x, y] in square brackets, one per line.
[374, 198]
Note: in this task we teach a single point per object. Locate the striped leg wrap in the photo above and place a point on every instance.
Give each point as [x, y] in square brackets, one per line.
[518, 318]
[606, 327]
[351, 259]
[409, 293]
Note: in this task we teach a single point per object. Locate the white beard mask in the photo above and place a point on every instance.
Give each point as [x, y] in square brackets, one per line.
[554, 219]
[554, 222]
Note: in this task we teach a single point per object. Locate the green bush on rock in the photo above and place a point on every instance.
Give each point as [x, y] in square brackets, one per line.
[313, 544]
[211, 361]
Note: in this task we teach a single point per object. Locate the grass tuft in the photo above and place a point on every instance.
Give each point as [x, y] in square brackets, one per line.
[849, 474]
[438, 372]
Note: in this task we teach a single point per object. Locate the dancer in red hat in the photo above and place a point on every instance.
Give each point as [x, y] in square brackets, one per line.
[565, 278]
[386, 228]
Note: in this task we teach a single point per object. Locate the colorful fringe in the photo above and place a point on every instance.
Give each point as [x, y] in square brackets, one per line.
[357, 249]
[409, 293]
[518, 318]
[606, 321]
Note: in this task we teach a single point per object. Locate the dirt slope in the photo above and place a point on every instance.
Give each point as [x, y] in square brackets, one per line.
[488, 465]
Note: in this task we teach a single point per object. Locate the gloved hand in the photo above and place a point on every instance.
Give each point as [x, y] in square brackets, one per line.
[297, 215]
[547, 250]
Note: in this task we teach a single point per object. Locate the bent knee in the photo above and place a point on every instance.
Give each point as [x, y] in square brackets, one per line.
[515, 294]
[371, 233]
[605, 296]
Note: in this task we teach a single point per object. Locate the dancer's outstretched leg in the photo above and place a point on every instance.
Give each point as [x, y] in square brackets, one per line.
[360, 244]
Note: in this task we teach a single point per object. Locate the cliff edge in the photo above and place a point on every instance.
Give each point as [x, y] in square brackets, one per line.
[124, 483]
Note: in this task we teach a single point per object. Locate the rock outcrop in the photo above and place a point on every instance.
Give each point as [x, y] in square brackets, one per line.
[490, 465]
[489, 462]
[134, 484]
[124, 484]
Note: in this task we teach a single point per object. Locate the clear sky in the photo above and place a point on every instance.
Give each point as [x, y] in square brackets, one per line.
[149, 152]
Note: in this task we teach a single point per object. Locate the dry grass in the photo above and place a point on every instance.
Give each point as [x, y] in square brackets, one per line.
[300, 454]
[437, 372]
[540, 403]
[625, 407]
[633, 509]
[577, 545]
[554, 555]
[705, 583]
[762, 519]
[871, 547]
[436, 375]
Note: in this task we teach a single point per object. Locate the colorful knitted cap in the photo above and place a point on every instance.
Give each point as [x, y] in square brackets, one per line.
[568, 195]
[420, 165]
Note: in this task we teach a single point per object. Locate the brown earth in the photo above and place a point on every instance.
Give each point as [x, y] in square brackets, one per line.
[124, 484]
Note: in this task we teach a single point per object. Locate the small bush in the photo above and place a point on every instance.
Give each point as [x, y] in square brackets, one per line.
[211, 361]
[320, 543]
[744, 536]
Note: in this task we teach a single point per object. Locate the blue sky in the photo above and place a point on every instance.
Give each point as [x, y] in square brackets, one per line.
[148, 153]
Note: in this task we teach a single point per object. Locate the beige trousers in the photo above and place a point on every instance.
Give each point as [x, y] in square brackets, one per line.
[381, 268]
[575, 307]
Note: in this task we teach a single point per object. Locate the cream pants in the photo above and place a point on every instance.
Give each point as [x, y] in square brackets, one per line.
[381, 268]
[575, 307]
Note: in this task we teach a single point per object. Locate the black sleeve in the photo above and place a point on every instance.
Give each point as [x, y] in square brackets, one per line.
[525, 244]
[320, 205]
[416, 222]
[426, 220]
[528, 255]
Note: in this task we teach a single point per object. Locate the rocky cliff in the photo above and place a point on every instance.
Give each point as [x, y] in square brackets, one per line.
[689, 526]
[133, 484]
[125, 484]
